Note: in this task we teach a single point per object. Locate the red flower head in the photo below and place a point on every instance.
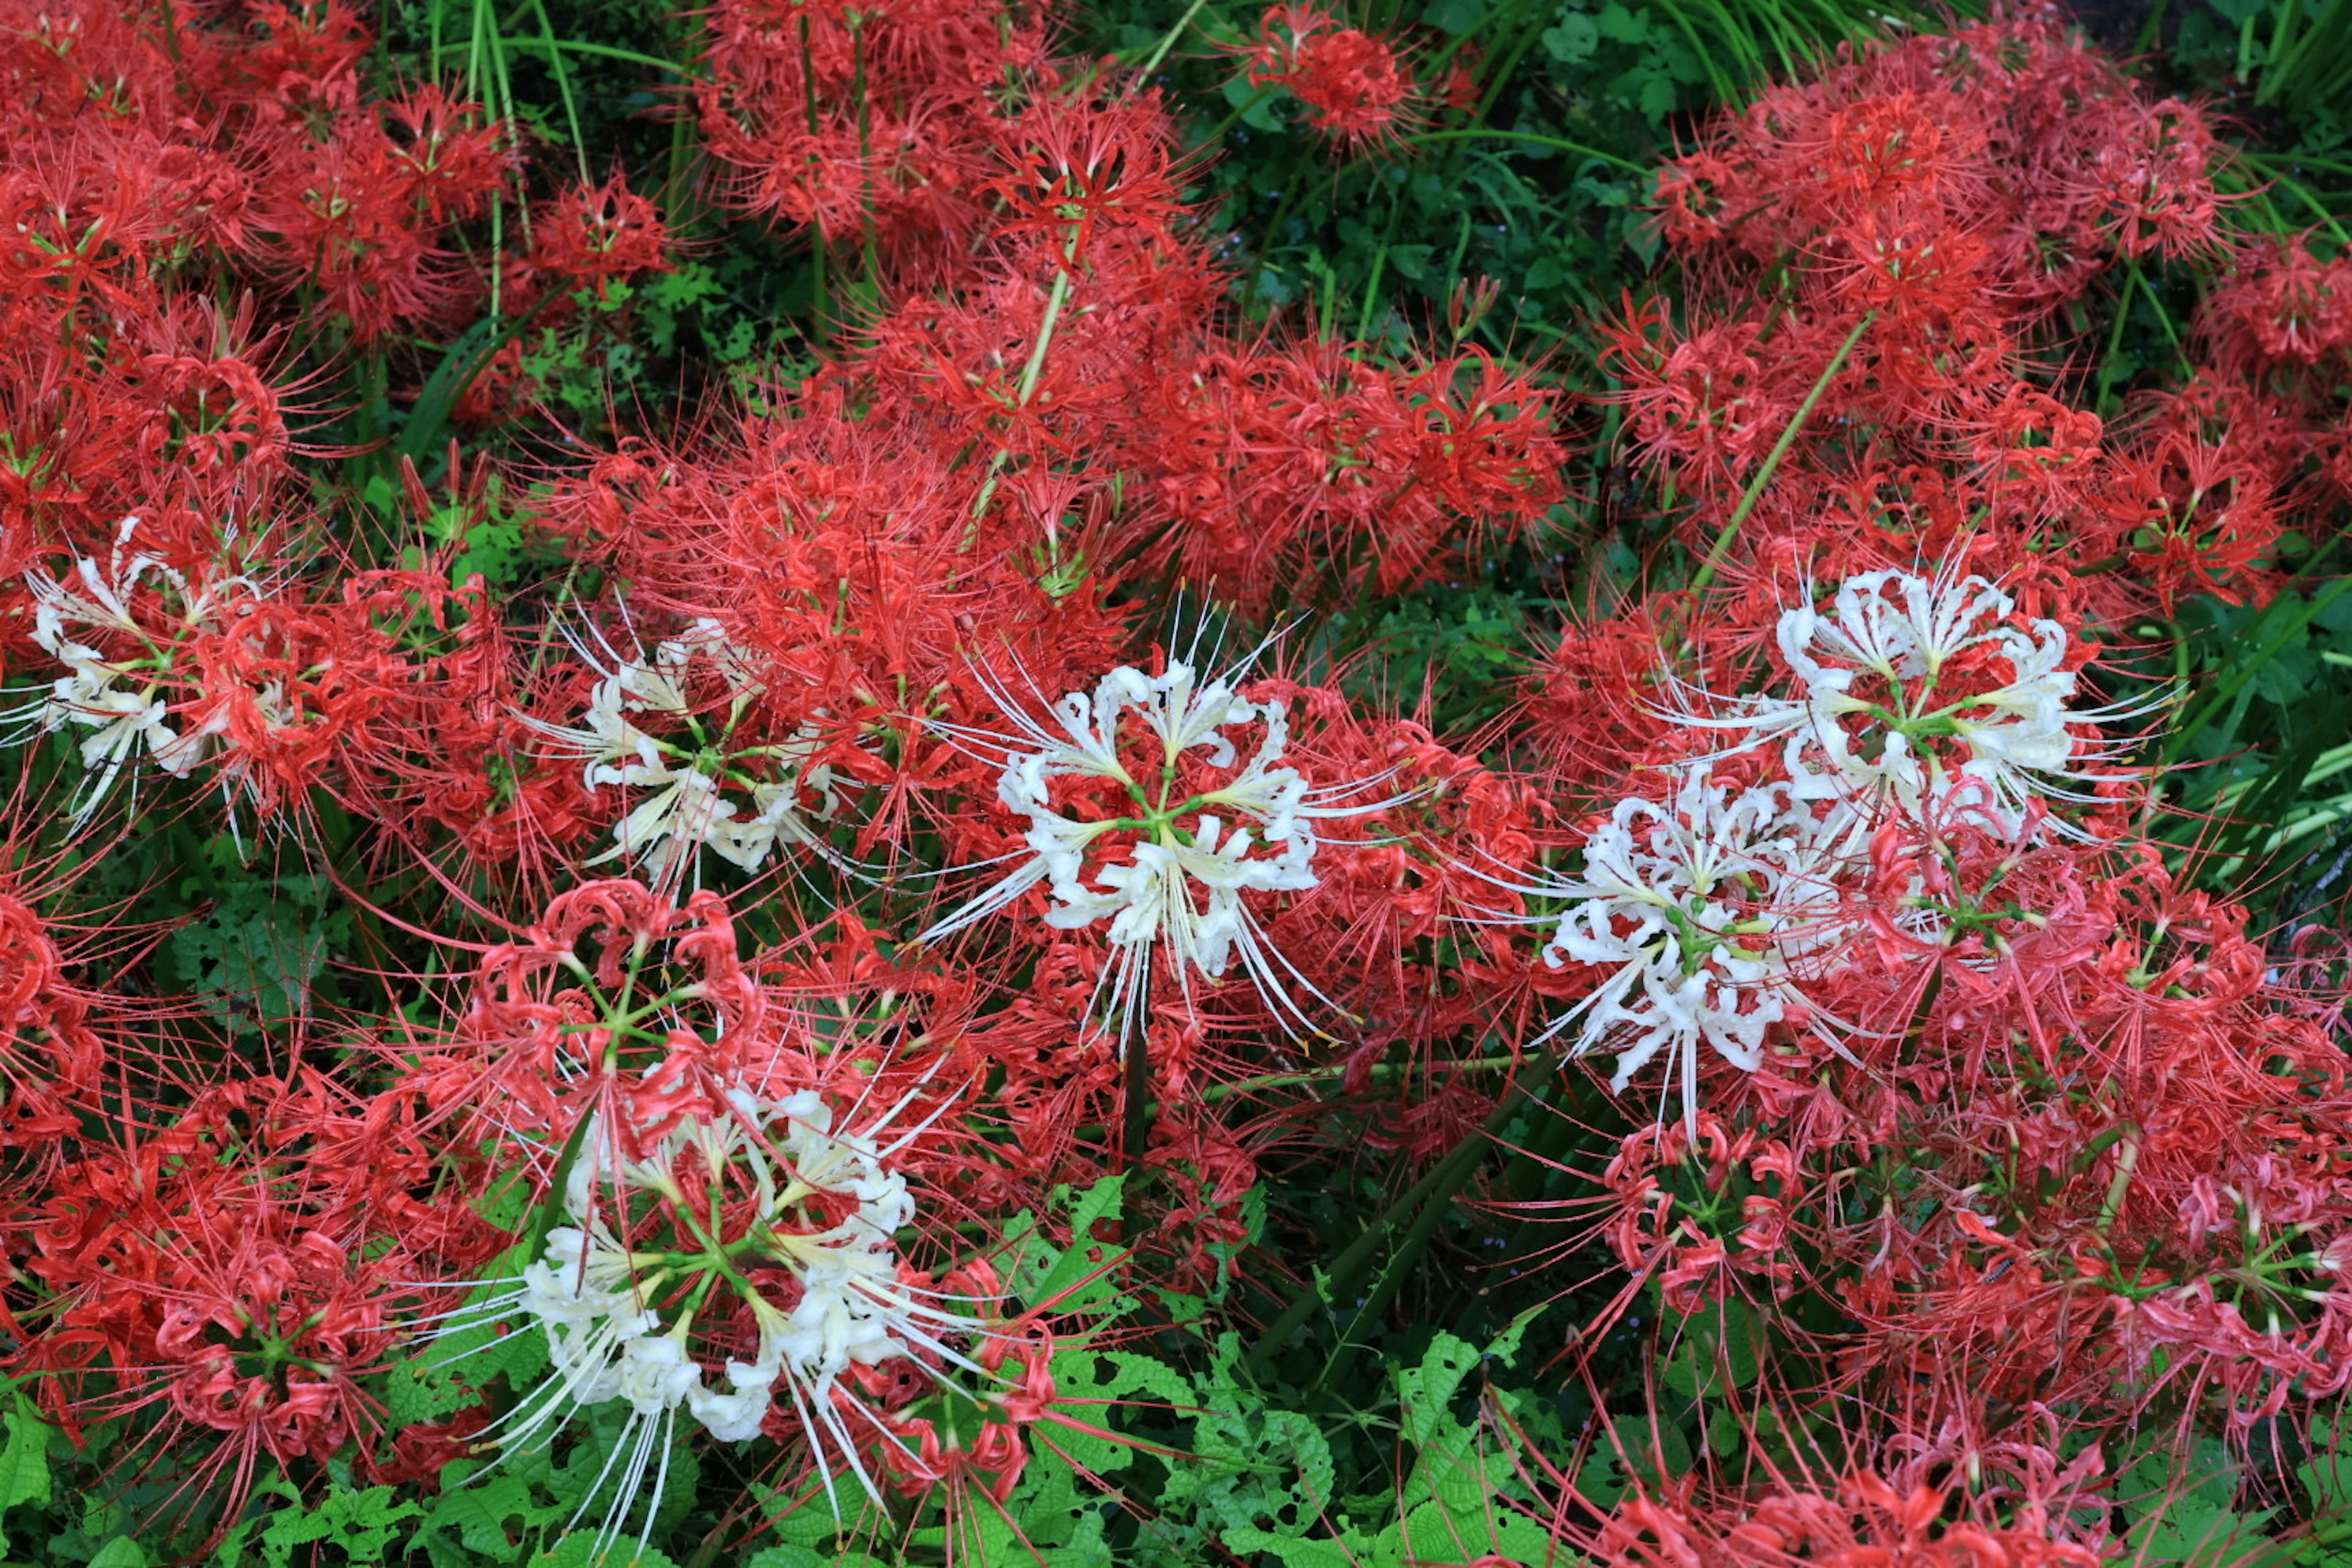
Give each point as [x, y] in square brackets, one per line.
[1355, 86]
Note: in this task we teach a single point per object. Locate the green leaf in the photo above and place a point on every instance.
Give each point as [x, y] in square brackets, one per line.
[2326, 1475]
[2193, 1530]
[1723, 1340]
[1256, 103]
[1291, 1552]
[1601, 1480]
[1620, 25]
[1456, 16]
[794, 1555]
[582, 1549]
[1572, 42]
[1724, 1433]
[1042, 1274]
[258, 954]
[23, 1460]
[121, 1553]
[1428, 1389]
[449, 1372]
[1461, 1528]
[1644, 1443]
[685, 284]
[1657, 98]
[1253, 1466]
[358, 1523]
[1411, 262]
[1100, 1380]
[490, 1516]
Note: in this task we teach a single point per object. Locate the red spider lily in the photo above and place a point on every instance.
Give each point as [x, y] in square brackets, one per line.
[836, 119]
[1312, 459]
[592, 238]
[1355, 86]
[2281, 307]
[616, 1007]
[211, 1283]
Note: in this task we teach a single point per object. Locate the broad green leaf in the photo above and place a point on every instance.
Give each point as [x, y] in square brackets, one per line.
[1292, 1551]
[1043, 1274]
[23, 1460]
[793, 1555]
[582, 1549]
[490, 1515]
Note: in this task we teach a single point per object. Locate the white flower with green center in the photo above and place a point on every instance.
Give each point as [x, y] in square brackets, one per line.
[713, 1214]
[641, 732]
[1913, 686]
[1707, 910]
[1176, 891]
[119, 701]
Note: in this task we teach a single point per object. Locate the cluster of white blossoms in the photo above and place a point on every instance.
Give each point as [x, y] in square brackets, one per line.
[1177, 891]
[119, 701]
[1712, 907]
[620, 1316]
[1716, 909]
[692, 764]
[1899, 705]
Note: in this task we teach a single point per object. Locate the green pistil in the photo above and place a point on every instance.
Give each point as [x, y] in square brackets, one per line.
[1159, 823]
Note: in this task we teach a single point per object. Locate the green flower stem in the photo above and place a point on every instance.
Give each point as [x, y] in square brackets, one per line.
[1555, 143]
[1755, 485]
[1425, 1201]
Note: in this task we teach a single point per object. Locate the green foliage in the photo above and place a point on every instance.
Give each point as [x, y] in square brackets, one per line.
[257, 950]
[2287, 55]
[359, 1524]
[1463, 1493]
[2265, 703]
[555, 1502]
[23, 1460]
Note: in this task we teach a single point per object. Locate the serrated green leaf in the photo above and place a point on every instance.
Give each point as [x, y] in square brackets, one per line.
[1042, 1275]
[1448, 1531]
[490, 1515]
[1292, 1551]
[791, 1555]
[358, 1523]
[1100, 1380]
[23, 1460]
[2191, 1530]
[1252, 1465]
[1426, 1390]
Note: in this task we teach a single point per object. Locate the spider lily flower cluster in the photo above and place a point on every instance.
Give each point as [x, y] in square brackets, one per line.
[1730, 902]
[126, 699]
[1908, 689]
[1146, 818]
[740, 1269]
[685, 1148]
[642, 732]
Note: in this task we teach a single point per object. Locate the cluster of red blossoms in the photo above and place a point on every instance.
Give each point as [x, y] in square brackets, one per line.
[833, 860]
[1355, 88]
[1926, 210]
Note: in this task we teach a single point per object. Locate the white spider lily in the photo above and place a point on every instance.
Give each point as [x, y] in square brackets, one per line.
[1178, 896]
[1885, 653]
[619, 1317]
[1710, 910]
[662, 835]
[117, 702]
